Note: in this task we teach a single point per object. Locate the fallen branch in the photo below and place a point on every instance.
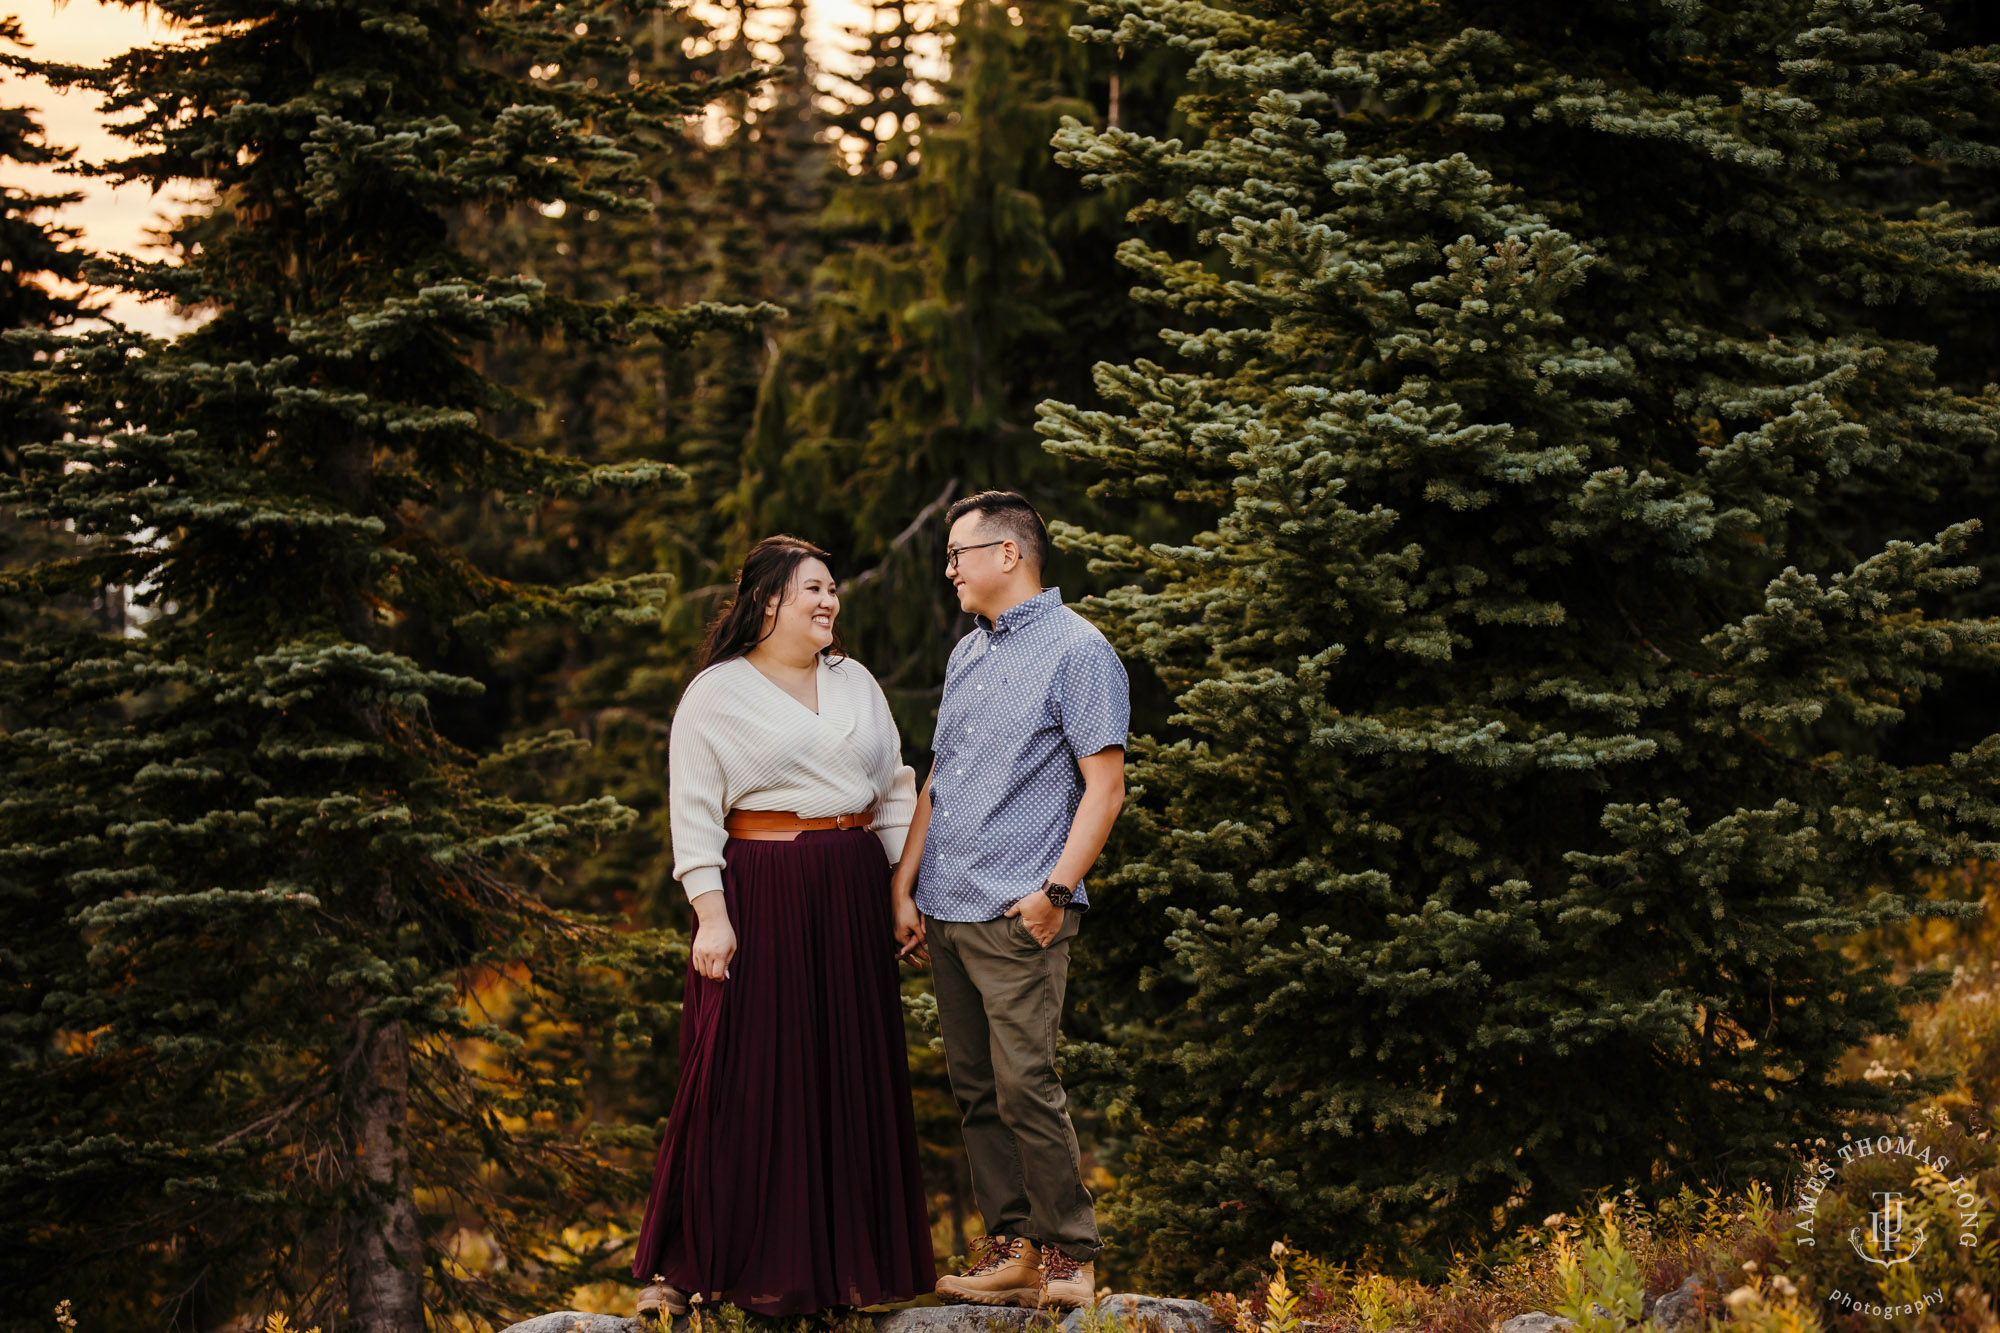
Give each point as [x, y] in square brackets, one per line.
[868, 576]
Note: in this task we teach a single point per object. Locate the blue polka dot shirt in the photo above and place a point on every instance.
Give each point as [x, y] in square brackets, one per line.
[1025, 696]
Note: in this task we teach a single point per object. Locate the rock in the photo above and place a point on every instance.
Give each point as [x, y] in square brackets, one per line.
[577, 1321]
[1535, 1321]
[1145, 1314]
[1128, 1313]
[1680, 1308]
[962, 1319]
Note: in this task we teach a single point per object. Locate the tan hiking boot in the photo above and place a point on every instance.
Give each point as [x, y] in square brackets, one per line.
[1006, 1270]
[662, 1301]
[1067, 1284]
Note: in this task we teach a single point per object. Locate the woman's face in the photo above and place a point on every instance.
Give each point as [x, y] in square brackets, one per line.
[804, 615]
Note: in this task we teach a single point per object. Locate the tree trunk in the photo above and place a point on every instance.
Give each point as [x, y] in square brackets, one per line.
[383, 1255]
[385, 1276]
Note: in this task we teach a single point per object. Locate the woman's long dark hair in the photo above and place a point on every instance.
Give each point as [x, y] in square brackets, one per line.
[766, 573]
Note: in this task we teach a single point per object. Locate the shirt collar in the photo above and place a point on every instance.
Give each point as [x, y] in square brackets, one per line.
[1023, 613]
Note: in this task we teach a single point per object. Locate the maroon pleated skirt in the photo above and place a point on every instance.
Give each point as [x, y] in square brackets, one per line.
[788, 1181]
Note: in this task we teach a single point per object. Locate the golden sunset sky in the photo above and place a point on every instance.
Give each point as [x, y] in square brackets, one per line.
[85, 32]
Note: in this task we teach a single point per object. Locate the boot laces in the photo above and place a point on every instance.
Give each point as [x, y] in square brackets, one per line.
[1059, 1266]
[989, 1253]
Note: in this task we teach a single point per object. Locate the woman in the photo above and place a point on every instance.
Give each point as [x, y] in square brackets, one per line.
[788, 1181]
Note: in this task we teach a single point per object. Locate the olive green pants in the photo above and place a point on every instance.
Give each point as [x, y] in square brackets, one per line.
[999, 999]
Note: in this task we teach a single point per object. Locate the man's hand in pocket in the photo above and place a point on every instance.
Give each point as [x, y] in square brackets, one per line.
[1042, 917]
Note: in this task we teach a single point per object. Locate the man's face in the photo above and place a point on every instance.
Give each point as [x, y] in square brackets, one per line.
[981, 575]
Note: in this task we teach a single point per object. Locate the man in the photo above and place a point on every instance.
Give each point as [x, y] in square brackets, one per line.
[1028, 777]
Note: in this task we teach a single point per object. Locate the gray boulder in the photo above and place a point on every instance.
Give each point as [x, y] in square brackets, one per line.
[1535, 1321]
[1680, 1308]
[963, 1319]
[577, 1321]
[1130, 1312]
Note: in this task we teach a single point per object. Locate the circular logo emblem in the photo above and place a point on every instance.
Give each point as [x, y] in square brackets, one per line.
[1888, 1200]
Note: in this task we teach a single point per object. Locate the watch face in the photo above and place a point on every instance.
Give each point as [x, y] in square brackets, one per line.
[1058, 894]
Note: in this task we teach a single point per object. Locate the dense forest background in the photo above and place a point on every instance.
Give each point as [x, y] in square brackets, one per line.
[1538, 464]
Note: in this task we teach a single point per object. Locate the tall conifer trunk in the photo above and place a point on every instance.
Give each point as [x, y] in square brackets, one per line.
[384, 1259]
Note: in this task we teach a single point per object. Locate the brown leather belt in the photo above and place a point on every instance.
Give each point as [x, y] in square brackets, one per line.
[784, 821]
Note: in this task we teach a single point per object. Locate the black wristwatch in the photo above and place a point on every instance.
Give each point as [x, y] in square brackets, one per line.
[1059, 894]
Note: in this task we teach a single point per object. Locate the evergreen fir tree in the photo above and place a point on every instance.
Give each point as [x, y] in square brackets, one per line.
[36, 254]
[37, 259]
[943, 315]
[255, 897]
[889, 82]
[1961, 324]
[737, 199]
[1534, 658]
[744, 194]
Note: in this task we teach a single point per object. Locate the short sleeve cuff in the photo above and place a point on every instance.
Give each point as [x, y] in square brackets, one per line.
[700, 880]
[1087, 745]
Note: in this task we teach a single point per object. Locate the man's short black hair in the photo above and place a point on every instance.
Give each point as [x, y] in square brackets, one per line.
[1007, 515]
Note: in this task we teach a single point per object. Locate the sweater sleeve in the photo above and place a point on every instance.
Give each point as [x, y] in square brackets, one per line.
[897, 803]
[895, 781]
[697, 800]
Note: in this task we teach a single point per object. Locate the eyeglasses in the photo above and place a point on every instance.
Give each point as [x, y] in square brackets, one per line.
[952, 553]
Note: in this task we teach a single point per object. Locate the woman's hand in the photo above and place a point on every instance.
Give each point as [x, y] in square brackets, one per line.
[910, 931]
[714, 938]
[714, 946]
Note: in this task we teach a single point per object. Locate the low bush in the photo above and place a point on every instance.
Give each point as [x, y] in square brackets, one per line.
[1605, 1271]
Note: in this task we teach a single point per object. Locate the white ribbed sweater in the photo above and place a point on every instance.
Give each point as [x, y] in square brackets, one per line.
[739, 742]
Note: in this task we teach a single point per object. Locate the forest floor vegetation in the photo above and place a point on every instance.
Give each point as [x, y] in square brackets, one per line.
[1742, 1260]
[1603, 1267]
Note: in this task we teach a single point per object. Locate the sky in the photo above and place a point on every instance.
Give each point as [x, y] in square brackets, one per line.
[84, 32]
[87, 32]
